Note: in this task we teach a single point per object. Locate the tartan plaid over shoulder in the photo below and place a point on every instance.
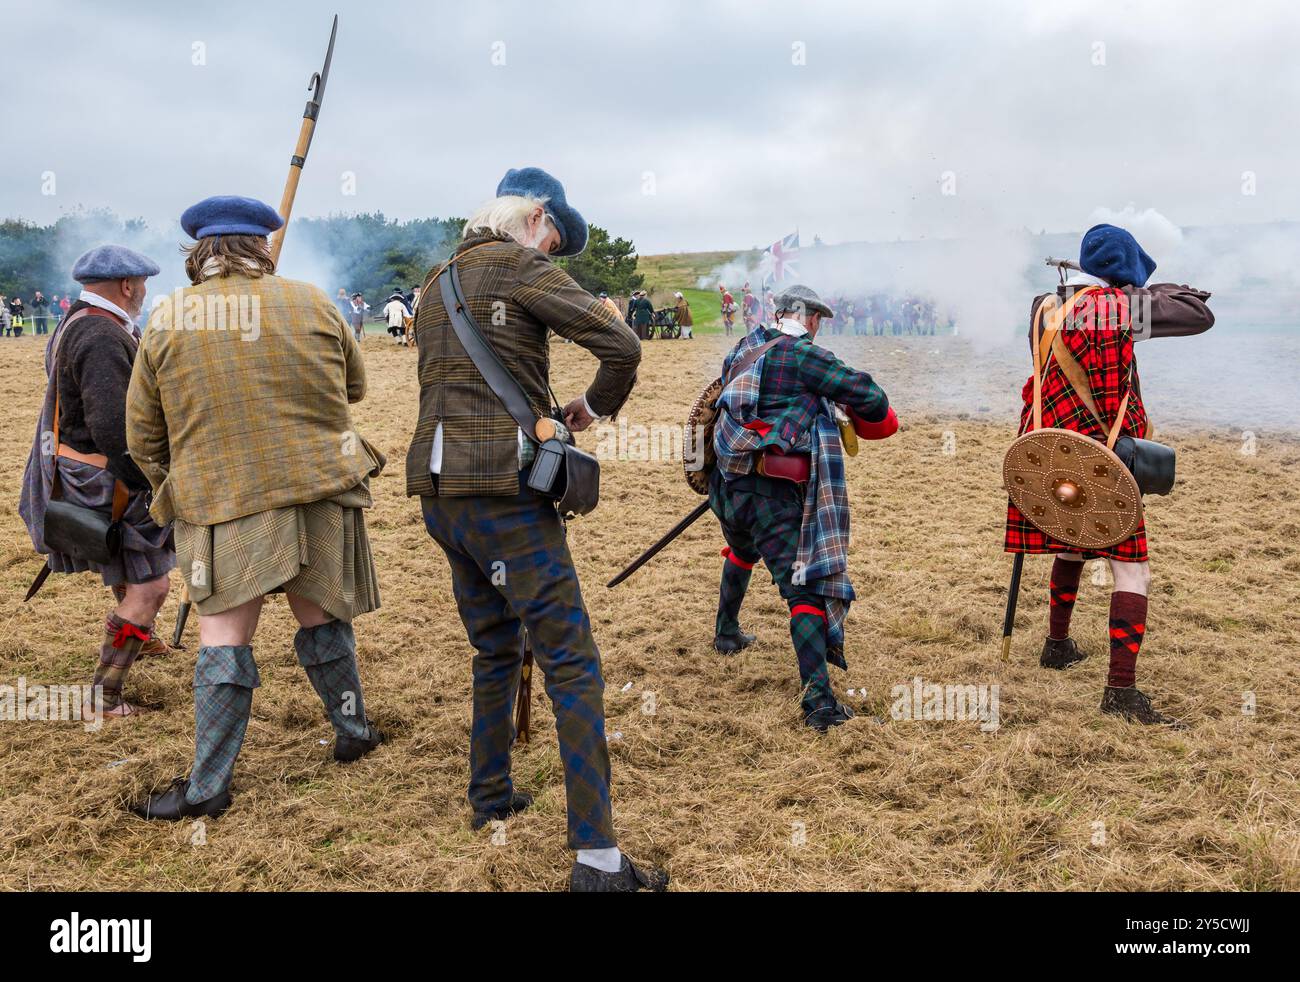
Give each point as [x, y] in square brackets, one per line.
[1099, 335]
[516, 296]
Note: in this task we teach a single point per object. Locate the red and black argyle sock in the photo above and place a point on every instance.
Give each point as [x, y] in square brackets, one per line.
[735, 581]
[1065, 590]
[1128, 624]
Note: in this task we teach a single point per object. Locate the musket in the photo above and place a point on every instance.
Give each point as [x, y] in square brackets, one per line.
[1062, 265]
[650, 553]
[316, 86]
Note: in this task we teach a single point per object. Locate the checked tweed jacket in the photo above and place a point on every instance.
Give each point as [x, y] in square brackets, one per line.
[227, 422]
[516, 296]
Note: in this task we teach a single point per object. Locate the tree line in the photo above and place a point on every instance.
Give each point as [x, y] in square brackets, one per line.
[368, 253]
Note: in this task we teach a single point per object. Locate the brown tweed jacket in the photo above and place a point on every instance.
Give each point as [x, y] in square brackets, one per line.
[239, 399]
[516, 296]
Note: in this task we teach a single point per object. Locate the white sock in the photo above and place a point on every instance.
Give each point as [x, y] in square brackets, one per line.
[606, 860]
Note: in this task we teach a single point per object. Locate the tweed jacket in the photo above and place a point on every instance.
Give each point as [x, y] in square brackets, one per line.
[239, 400]
[517, 297]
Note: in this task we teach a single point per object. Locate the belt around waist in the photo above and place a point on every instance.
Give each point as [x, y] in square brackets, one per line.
[94, 459]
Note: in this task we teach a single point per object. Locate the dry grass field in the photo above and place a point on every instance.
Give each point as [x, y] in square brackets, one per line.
[720, 783]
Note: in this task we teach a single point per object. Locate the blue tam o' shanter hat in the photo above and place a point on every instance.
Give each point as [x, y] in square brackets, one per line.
[533, 182]
[229, 214]
[1112, 254]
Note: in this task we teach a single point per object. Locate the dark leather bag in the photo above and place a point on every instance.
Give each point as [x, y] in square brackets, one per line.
[86, 533]
[1150, 463]
[560, 471]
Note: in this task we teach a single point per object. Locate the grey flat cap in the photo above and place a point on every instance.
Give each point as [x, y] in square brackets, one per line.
[112, 262]
[799, 299]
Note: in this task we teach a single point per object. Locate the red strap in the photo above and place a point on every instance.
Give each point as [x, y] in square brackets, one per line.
[759, 427]
[798, 609]
[126, 632]
[731, 557]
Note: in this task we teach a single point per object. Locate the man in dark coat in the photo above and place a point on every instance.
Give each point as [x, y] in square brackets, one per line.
[642, 312]
[89, 361]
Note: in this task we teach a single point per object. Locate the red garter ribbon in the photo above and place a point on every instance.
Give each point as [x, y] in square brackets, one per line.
[733, 558]
[126, 632]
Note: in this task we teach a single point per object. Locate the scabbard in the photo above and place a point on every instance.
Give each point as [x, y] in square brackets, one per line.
[650, 553]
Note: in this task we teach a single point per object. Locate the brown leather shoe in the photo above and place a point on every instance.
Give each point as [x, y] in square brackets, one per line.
[1135, 706]
[1060, 654]
[154, 647]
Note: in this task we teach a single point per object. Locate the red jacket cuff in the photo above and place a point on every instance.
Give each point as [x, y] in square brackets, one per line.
[875, 431]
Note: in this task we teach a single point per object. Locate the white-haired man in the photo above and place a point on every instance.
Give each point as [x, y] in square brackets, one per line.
[510, 564]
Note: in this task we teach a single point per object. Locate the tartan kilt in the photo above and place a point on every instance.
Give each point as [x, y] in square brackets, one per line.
[1023, 536]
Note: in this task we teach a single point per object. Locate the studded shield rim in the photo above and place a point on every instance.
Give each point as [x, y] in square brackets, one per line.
[1072, 488]
[697, 442]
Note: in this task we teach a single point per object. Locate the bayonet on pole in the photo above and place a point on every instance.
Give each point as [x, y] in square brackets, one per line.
[316, 85]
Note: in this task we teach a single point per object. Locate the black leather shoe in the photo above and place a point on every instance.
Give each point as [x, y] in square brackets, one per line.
[518, 802]
[629, 879]
[824, 718]
[1135, 706]
[171, 806]
[729, 644]
[348, 749]
[1060, 654]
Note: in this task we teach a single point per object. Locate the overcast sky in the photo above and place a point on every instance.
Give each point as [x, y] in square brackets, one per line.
[692, 125]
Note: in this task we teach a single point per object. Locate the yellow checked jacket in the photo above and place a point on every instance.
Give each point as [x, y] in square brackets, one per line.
[239, 400]
[516, 296]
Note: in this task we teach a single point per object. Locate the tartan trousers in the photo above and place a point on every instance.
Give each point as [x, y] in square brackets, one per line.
[761, 518]
[511, 568]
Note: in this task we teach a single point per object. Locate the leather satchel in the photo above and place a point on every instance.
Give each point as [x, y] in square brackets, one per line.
[560, 471]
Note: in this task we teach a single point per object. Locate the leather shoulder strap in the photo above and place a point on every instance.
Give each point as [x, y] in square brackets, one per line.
[1053, 343]
[489, 364]
[751, 356]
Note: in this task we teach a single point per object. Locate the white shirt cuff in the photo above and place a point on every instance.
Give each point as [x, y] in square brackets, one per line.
[591, 412]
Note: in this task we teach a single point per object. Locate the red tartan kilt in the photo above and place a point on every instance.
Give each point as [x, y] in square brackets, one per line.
[1023, 536]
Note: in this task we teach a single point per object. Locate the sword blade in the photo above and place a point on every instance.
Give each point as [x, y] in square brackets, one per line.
[650, 553]
[182, 615]
[329, 57]
[37, 583]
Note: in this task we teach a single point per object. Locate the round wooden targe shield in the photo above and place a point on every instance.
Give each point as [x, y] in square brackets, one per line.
[698, 455]
[1072, 488]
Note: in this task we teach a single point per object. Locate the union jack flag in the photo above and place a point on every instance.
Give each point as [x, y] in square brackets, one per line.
[779, 260]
